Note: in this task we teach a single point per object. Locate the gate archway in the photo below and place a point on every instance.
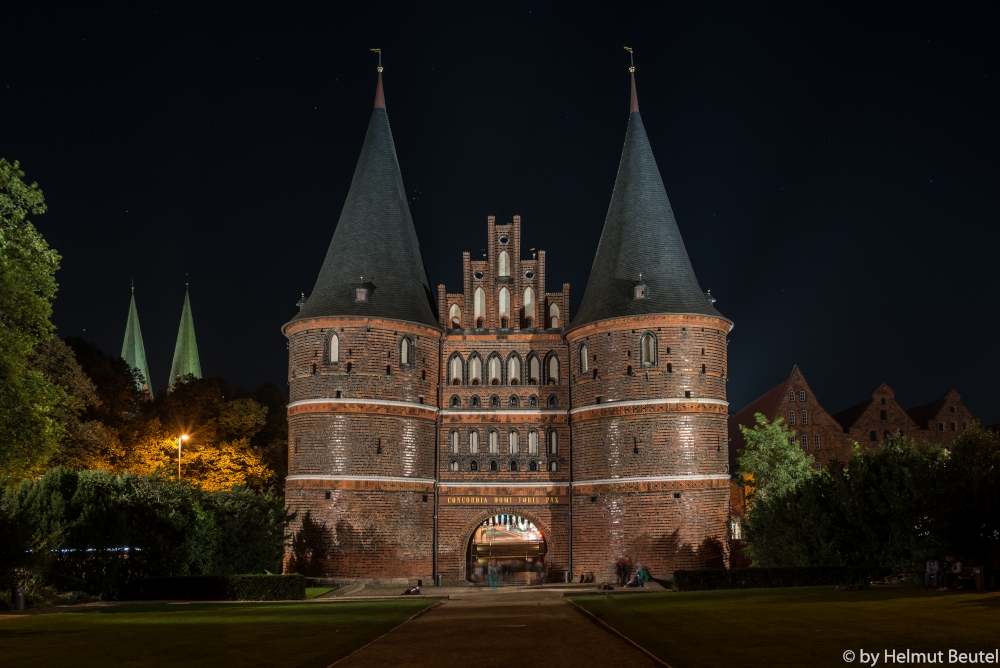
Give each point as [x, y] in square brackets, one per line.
[507, 547]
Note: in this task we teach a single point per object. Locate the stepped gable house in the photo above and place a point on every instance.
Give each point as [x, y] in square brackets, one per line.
[439, 439]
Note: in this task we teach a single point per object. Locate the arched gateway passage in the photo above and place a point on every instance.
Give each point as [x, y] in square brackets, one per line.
[506, 550]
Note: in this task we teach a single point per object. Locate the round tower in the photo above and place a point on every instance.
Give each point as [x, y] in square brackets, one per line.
[648, 369]
[363, 363]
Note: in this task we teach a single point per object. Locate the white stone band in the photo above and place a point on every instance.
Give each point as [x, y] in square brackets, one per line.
[654, 478]
[504, 411]
[379, 478]
[370, 402]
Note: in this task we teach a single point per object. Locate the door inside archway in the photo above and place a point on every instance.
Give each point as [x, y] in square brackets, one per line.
[507, 550]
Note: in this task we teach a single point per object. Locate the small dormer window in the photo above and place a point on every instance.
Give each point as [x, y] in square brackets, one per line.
[639, 291]
[361, 295]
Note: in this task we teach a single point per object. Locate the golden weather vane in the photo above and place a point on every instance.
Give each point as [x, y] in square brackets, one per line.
[379, 52]
[631, 58]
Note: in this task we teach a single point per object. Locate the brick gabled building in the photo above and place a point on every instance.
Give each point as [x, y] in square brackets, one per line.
[817, 432]
[875, 419]
[943, 420]
[436, 439]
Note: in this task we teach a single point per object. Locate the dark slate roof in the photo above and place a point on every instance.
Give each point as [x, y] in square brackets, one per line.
[640, 237]
[921, 414]
[849, 416]
[374, 239]
[767, 404]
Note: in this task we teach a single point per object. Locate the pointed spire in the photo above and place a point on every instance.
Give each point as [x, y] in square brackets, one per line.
[133, 351]
[640, 239]
[374, 238]
[634, 105]
[379, 95]
[186, 360]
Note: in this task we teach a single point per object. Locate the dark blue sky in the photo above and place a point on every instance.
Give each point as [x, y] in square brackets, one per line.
[833, 168]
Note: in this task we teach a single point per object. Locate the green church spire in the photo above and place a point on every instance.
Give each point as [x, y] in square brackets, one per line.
[186, 360]
[133, 351]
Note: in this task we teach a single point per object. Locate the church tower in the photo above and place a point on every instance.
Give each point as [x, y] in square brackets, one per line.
[186, 361]
[133, 351]
[648, 368]
[363, 361]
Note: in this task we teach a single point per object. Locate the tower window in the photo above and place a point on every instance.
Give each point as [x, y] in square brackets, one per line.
[533, 466]
[670, 367]
[361, 295]
[474, 401]
[513, 402]
[473, 442]
[553, 442]
[513, 370]
[513, 465]
[455, 370]
[453, 465]
[495, 371]
[333, 348]
[475, 370]
[529, 305]
[584, 359]
[553, 465]
[552, 402]
[493, 465]
[553, 378]
[639, 291]
[474, 466]
[479, 304]
[406, 352]
[494, 401]
[453, 442]
[532, 442]
[647, 349]
[455, 402]
[703, 368]
[534, 370]
[494, 442]
[513, 442]
[533, 401]
[504, 304]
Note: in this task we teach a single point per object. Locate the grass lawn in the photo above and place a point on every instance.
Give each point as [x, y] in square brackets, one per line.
[217, 634]
[313, 592]
[800, 626]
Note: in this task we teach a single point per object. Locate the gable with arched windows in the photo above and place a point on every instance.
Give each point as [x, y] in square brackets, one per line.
[333, 347]
[456, 369]
[647, 349]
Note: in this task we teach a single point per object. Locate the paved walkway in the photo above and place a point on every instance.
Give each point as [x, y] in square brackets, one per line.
[487, 629]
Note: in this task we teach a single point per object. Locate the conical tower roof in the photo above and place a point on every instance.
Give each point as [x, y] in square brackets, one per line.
[186, 360]
[640, 244]
[133, 351]
[374, 245]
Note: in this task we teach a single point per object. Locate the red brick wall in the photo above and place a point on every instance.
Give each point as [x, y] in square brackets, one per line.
[832, 442]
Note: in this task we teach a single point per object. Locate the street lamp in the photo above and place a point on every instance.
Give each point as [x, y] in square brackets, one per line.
[182, 437]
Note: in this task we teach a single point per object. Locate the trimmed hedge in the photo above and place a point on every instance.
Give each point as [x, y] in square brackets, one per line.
[267, 587]
[215, 588]
[753, 578]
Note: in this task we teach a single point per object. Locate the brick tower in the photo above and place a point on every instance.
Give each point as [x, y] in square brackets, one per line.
[363, 364]
[648, 373]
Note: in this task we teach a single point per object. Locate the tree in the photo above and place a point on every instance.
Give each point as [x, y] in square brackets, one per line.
[30, 430]
[969, 515]
[771, 462]
[272, 441]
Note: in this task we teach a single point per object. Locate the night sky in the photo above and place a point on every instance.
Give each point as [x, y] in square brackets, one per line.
[834, 171]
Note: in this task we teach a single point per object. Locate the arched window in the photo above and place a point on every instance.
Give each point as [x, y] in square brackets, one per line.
[504, 303]
[553, 442]
[514, 370]
[455, 370]
[503, 265]
[514, 402]
[494, 401]
[333, 348]
[494, 466]
[455, 402]
[496, 371]
[529, 304]
[479, 304]
[453, 442]
[533, 403]
[553, 377]
[791, 418]
[554, 316]
[474, 401]
[455, 316]
[494, 442]
[584, 359]
[453, 465]
[647, 349]
[533, 466]
[475, 369]
[513, 442]
[552, 401]
[534, 370]
[805, 417]
[553, 465]
[406, 352]
[532, 442]
[513, 465]
[473, 442]
[474, 466]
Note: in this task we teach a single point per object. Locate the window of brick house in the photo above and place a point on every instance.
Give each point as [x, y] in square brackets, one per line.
[872, 436]
[455, 315]
[455, 370]
[513, 442]
[473, 442]
[513, 370]
[883, 415]
[479, 307]
[953, 426]
[455, 402]
[504, 304]
[554, 316]
[475, 369]
[816, 441]
[503, 265]
[529, 305]
[882, 401]
[453, 442]
[818, 465]
[496, 371]
[802, 395]
[494, 442]
[791, 395]
[553, 376]
[965, 425]
[951, 409]
[553, 442]
[791, 418]
[532, 442]
[805, 417]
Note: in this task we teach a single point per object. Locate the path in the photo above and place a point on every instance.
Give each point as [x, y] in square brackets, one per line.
[500, 629]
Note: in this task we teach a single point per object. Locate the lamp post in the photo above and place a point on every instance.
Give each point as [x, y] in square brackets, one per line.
[182, 437]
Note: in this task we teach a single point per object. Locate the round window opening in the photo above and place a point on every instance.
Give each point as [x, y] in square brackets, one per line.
[529, 274]
[478, 275]
[504, 240]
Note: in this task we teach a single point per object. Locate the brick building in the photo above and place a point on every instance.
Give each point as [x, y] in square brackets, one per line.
[827, 437]
[438, 439]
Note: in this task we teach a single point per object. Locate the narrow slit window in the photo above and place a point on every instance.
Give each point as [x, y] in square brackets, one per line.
[334, 348]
